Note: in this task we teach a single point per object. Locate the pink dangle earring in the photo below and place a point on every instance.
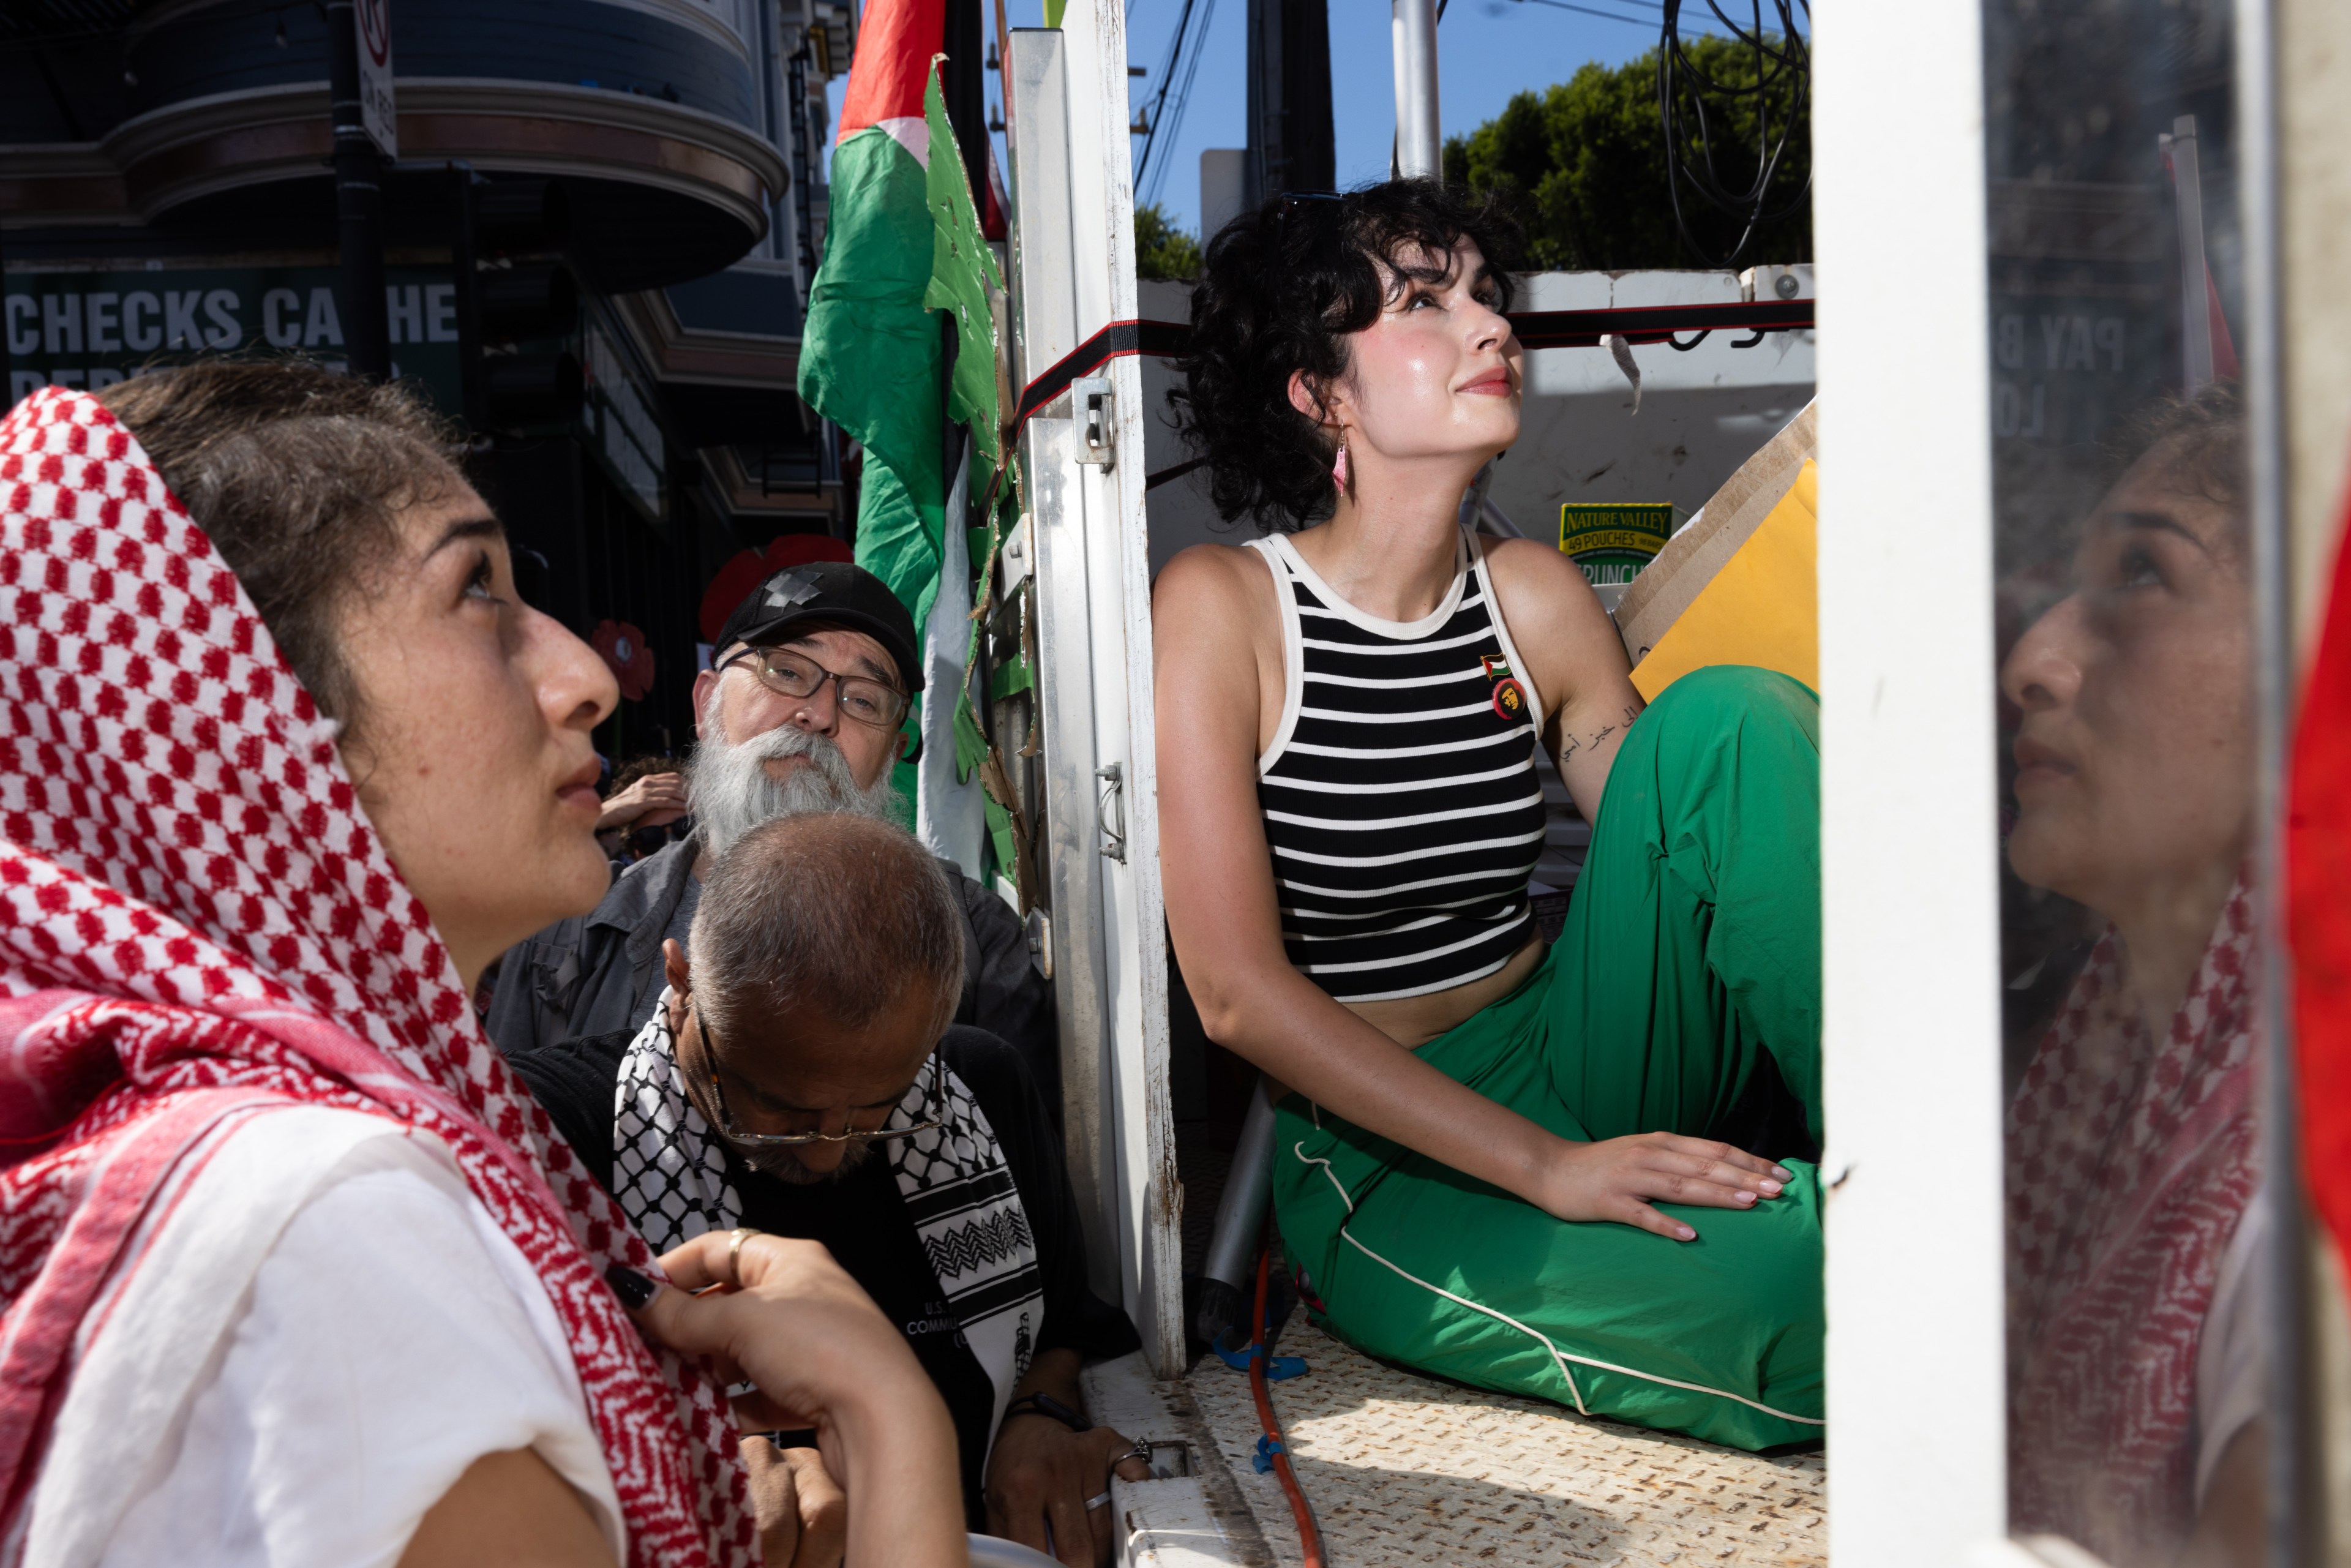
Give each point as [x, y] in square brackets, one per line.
[1339, 468]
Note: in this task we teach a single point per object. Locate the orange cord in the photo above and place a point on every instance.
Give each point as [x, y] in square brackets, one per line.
[1310, 1534]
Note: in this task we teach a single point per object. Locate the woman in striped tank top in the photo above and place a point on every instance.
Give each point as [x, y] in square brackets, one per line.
[1538, 1171]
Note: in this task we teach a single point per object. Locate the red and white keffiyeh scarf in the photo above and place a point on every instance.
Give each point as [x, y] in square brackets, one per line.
[199, 927]
[2131, 1164]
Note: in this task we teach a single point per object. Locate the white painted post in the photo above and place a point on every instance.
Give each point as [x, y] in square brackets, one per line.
[1916, 1360]
[1074, 275]
[1413, 29]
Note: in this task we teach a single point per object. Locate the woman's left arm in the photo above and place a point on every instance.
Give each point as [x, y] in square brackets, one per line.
[1573, 655]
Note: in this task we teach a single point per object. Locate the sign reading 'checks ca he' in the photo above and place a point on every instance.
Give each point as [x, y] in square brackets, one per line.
[88, 328]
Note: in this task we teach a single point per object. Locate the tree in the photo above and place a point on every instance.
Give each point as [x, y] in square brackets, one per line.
[1161, 249]
[1584, 165]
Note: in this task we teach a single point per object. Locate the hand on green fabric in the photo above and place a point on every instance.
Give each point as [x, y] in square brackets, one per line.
[1621, 1178]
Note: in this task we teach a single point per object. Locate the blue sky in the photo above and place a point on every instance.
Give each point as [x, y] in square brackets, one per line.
[1486, 50]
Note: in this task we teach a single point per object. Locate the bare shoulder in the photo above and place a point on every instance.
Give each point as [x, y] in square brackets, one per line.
[1211, 588]
[1557, 622]
[1540, 587]
[1535, 566]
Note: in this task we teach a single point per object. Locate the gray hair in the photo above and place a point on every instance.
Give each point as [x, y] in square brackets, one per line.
[830, 914]
[731, 793]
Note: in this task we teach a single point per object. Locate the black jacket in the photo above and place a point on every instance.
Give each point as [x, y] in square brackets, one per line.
[599, 973]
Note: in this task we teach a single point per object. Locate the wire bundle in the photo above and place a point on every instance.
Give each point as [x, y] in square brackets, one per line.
[1693, 135]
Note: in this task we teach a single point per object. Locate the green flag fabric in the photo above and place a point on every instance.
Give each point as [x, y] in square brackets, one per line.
[904, 241]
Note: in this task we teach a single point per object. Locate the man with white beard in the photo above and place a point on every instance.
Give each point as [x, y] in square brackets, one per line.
[803, 709]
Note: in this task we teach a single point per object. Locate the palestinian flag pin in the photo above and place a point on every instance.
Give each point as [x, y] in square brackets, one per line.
[1509, 697]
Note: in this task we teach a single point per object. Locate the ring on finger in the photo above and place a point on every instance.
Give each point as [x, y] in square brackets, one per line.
[736, 1239]
[1101, 1500]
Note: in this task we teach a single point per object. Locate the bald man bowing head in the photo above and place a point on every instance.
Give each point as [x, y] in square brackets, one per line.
[800, 1076]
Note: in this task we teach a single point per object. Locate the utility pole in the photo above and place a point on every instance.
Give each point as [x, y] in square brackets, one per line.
[1291, 143]
[358, 66]
[1418, 143]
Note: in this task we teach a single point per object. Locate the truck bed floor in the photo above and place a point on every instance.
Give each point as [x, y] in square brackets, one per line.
[1403, 1470]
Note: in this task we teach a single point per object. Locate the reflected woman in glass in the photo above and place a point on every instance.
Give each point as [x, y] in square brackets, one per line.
[2135, 1379]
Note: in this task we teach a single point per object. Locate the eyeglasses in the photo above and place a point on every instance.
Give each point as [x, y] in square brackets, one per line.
[932, 1115]
[859, 697]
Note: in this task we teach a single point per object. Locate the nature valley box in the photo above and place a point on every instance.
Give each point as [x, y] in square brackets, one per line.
[1612, 541]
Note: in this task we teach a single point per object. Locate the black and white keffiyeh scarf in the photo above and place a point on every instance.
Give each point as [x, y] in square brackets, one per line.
[669, 1174]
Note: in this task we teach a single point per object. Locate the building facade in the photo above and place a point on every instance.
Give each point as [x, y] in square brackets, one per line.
[638, 185]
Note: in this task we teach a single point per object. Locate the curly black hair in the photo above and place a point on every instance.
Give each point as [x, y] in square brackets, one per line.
[1281, 290]
[2208, 431]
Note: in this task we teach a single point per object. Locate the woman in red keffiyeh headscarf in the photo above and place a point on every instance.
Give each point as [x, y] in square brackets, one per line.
[2135, 1397]
[290, 1268]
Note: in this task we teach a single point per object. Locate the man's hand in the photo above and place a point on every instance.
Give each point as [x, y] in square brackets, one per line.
[801, 1512]
[1041, 1474]
[650, 802]
[1620, 1179]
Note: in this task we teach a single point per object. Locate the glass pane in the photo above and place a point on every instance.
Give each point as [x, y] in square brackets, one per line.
[2128, 752]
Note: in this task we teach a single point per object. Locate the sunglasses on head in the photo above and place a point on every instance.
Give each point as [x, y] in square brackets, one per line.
[1293, 200]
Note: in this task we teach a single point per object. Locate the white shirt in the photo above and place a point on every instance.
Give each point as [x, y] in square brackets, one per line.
[390, 1336]
[2231, 1374]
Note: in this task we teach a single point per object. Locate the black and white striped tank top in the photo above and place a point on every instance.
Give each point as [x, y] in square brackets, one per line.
[1400, 796]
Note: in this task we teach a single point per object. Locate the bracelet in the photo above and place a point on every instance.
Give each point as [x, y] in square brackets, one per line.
[1046, 1405]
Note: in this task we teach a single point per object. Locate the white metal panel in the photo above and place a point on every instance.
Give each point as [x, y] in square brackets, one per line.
[1045, 328]
[1712, 364]
[1069, 130]
[1916, 1358]
[1134, 942]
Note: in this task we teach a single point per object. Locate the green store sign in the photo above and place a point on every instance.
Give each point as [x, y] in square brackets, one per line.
[86, 329]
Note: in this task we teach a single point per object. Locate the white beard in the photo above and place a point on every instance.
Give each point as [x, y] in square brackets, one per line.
[732, 793]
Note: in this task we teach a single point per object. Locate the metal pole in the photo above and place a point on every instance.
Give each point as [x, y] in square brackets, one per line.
[358, 203]
[464, 275]
[2297, 1513]
[1413, 25]
[2195, 306]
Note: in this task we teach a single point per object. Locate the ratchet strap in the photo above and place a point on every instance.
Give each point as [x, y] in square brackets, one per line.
[1535, 330]
[1116, 341]
[1656, 323]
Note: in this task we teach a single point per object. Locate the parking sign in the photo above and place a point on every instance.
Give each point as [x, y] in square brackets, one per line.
[376, 113]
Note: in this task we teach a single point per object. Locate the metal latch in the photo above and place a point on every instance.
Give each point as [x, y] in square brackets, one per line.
[1040, 942]
[1091, 401]
[1111, 811]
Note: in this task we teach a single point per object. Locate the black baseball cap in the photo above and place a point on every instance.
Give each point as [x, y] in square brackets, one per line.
[817, 594]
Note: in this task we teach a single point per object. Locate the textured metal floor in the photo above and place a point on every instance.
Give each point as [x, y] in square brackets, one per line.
[1405, 1471]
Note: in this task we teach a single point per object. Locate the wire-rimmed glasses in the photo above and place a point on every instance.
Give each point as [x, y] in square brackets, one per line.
[728, 1130]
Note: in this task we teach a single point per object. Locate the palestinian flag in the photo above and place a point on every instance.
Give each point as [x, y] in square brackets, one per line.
[2318, 904]
[904, 241]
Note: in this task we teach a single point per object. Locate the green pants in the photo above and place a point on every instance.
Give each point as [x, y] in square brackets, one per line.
[1689, 966]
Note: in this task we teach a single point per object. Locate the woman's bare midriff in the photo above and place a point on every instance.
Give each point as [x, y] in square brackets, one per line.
[1413, 1022]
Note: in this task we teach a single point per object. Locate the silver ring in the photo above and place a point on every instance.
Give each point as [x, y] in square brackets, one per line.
[1094, 1502]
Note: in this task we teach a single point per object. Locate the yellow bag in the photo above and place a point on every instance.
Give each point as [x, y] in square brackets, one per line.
[1763, 607]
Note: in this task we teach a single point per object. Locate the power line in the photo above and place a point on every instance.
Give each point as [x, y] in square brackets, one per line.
[1588, 11]
[1167, 80]
[1183, 96]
